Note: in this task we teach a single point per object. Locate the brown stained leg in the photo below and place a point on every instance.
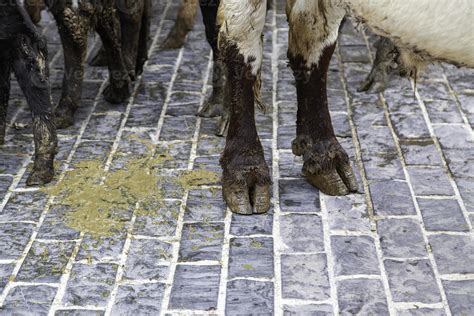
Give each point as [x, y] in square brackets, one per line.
[5, 69]
[34, 8]
[326, 164]
[118, 89]
[30, 67]
[183, 25]
[246, 177]
[73, 29]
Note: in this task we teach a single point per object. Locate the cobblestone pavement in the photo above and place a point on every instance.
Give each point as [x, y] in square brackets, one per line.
[403, 246]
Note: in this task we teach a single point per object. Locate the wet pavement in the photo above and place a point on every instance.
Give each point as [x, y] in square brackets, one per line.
[403, 246]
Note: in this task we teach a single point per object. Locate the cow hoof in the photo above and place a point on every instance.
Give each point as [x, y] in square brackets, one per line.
[64, 117]
[117, 95]
[374, 83]
[40, 177]
[214, 106]
[326, 165]
[246, 189]
[173, 42]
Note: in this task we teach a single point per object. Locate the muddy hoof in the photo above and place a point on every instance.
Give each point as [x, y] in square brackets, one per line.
[214, 107]
[173, 42]
[223, 126]
[40, 176]
[64, 117]
[375, 83]
[246, 187]
[117, 95]
[326, 165]
[99, 60]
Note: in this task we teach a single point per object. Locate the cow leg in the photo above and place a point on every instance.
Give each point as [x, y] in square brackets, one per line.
[31, 71]
[246, 177]
[384, 63]
[118, 89]
[214, 106]
[142, 53]
[312, 40]
[73, 29]
[130, 13]
[5, 69]
[183, 25]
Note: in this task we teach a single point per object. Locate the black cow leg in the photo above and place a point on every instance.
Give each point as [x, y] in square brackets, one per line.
[131, 22]
[326, 164]
[31, 70]
[108, 28]
[5, 69]
[142, 53]
[73, 32]
[215, 105]
[246, 177]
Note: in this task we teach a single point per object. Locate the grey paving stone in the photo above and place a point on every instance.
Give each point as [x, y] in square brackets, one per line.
[310, 309]
[28, 300]
[178, 128]
[466, 189]
[243, 225]
[26, 206]
[362, 297]
[298, 196]
[305, 277]
[209, 145]
[143, 116]
[460, 295]
[55, 227]
[401, 238]
[460, 161]
[251, 257]
[430, 181]
[210, 163]
[5, 183]
[348, 213]
[248, 295]
[103, 127]
[422, 152]
[442, 215]
[286, 134]
[422, 312]
[139, 299]
[392, 198]
[412, 281]
[92, 150]
[13, 239]
[454, 136]
[302, 233]
[201, 242]
[5, 273]
[443, 111]
[195, 287]
[158, 223]
[146, 258]
[204, 206]
[11, 164]
[409, 125]
[354, 255]
[78, 312]
[45, 262]
[290, 165]
[452, 253]
[102, 248]
[90, 285]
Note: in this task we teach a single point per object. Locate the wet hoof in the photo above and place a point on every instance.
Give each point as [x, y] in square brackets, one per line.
[246, 187]
[99, 60]
[326, 165]
[214, 107]
[64, 116]
[173, 41]
[117, 95]
[375, 82]
[40, 176]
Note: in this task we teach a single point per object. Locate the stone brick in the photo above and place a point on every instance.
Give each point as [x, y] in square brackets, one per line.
[29, 300]
[392, 198]
[442, 215]
[354, 255]
[460, 295]
[362, 296]
[298, 196]
[251, 257]
[401, 238]
[195, 287]
[430, 181]
[146, 260]
[305, 277]
[139, 299]
[302, 233]
[201, 242]
[248, 295]
[452, 252]
[13, 239]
